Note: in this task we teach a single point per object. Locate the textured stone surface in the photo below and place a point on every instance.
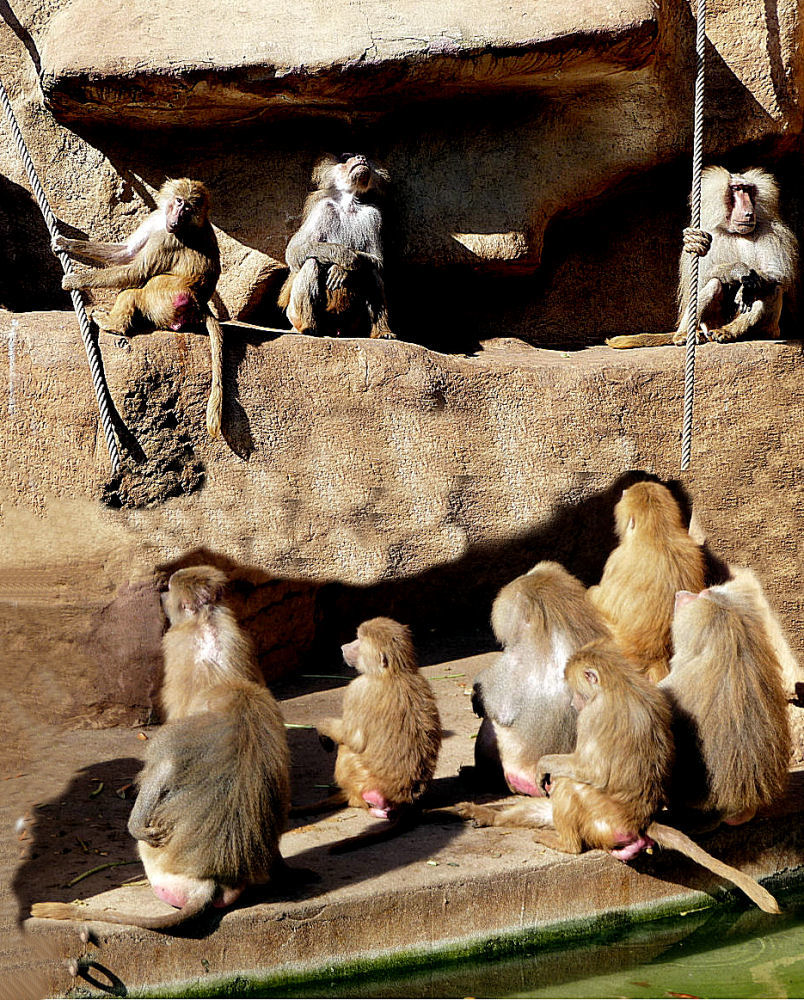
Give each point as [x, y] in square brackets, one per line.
[363, 477]
[266, 59]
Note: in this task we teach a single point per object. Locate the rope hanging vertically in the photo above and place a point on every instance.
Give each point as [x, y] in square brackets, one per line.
[93, 355]
[695, 223]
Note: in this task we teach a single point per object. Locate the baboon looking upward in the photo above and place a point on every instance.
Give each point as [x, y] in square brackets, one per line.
[335, 286]
[655, 558]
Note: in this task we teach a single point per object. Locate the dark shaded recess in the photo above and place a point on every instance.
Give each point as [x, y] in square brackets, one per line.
[609, 264]
[173, 468]
[30, 275]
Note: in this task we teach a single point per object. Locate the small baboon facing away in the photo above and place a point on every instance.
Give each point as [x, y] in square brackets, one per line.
[655, 558]
[540, 619]
[168, 269]
[215, 789]
[336, 285]
[729, 702]
[389, 732]
[607, 793]
[749, 262]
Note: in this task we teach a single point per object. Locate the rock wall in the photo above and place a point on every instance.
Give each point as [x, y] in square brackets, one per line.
[359, 477]
[498, 139]
[540, 181]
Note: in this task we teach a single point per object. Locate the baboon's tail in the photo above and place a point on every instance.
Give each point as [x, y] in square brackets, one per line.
[668, 836]
[215, 403]
[641, 340]
[195, 905]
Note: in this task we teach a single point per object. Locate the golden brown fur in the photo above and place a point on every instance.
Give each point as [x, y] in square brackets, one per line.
[750, 264]
[607, 792]
[204, 644]
[729, 701]
[168, 268]
[655, 558]
[540, 619]
[335, 286]
[215, 789]
[389, 733]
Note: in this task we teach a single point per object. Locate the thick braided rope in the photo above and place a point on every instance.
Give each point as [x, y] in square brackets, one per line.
[697, 164]
[93, 355]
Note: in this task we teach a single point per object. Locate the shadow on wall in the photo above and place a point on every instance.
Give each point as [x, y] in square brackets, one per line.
[296, 623]
[30, 277]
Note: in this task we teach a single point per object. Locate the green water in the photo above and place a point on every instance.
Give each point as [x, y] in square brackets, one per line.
[710, 953]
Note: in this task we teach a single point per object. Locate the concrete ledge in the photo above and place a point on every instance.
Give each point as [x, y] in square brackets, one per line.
[264, 60]
[443, 889]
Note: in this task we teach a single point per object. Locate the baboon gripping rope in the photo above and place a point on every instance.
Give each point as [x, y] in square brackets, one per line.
[697, 163]
[91, 347]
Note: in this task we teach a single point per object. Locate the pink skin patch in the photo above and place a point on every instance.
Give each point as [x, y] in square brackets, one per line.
[175, 896]
[684, 597]
[521, 785]
[183, 309]
[172, 896]
[379, 806]
[629, 851]
[228, 894]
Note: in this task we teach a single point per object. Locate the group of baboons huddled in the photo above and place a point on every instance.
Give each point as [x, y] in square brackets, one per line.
[170, 265]
[648, 697]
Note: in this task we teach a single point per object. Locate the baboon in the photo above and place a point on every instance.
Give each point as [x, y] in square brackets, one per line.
[389, 732]
[335, 286]
[655, 558]
[203, 644]
[749, 262]
[607, 793]
[215, 789]
[729, 703]
[168, 269]
[540, 619]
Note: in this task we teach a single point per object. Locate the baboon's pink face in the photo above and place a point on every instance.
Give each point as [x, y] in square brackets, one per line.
[742, 216]
[351, 653]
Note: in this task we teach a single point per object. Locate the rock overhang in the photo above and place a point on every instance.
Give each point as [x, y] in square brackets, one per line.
[266, 60]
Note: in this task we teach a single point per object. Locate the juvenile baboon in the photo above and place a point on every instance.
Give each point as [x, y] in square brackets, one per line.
[749, 261]
[335, 286]
[655, 558]
[168, 268]
[729, 703]
[389, 732]
[607, 792]
[540, 619]
[215, 789]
